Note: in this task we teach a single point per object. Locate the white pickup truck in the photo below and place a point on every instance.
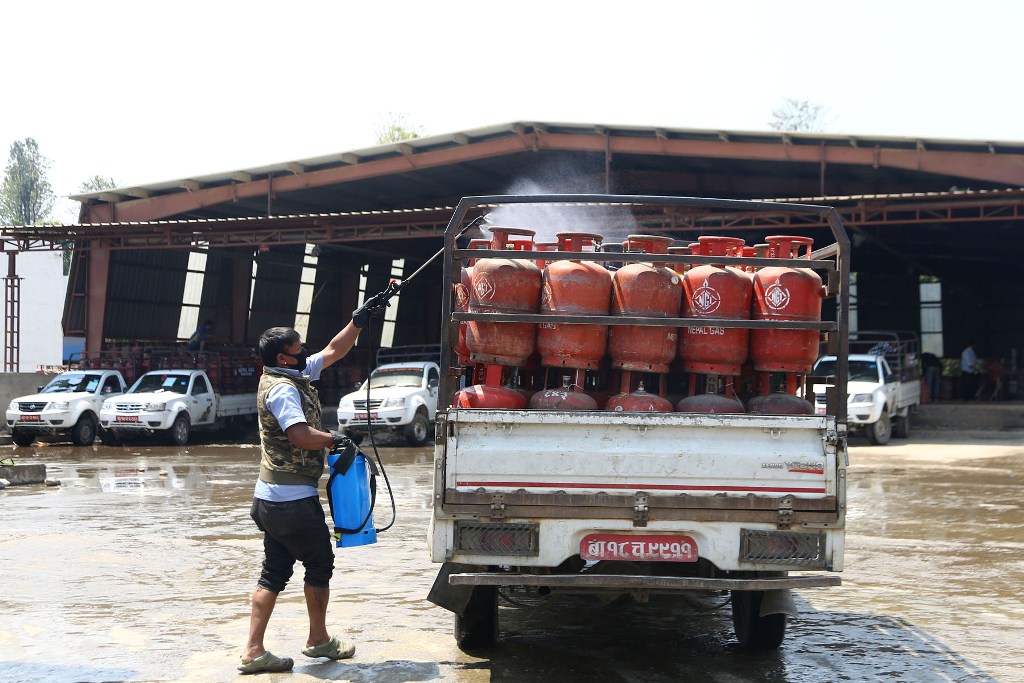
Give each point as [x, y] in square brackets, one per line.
[67, 407]
[884, 385]
[403, 399]
[637, 504]
[172, 402]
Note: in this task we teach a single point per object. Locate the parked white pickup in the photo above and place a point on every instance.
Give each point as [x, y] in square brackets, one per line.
[67, 407]
[173, 402]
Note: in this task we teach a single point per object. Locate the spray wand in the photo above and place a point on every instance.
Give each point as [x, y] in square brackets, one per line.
[390, 292]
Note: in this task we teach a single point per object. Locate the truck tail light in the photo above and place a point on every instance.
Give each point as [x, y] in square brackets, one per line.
[798, 548]
[483, 538]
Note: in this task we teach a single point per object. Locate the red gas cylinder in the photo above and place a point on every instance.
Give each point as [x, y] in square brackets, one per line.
[566, 397]
[638, 401]
[573, 287]
[650, 290]
[710, 403]
[714, 291]
[783, 293]
[779, 403]
[503, 285]
[462, 298]
[486, 396]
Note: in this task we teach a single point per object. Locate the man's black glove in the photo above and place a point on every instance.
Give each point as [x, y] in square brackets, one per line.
[372, 306]
[341, 442]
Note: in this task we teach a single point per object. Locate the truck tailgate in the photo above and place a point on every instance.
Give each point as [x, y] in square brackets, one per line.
[726, 457]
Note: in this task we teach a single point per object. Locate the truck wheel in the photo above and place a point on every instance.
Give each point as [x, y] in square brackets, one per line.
[901, 427]
[753, 631]
[179, 430]
[477, 626]
[108, 437]
[84, 431]
[416, 432]
[22, 438]
[880, 431]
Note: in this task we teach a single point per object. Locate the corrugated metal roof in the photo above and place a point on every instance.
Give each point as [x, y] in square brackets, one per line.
[458, 139]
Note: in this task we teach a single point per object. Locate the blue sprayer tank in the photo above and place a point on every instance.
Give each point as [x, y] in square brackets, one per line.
[351, 493]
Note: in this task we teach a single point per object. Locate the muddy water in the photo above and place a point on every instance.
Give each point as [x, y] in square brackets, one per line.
[149, 580]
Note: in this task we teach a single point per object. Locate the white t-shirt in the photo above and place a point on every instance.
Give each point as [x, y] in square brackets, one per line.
[285, 404]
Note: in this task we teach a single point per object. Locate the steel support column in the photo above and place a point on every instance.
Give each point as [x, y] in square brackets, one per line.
[241, 286]
[12, 316]
[96, 296]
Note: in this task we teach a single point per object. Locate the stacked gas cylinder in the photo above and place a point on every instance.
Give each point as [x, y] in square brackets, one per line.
[513, 362]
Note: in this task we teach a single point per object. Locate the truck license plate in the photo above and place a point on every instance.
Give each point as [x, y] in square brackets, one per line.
[650, 548]
[362, 416]
[126, 418]
[29, 418]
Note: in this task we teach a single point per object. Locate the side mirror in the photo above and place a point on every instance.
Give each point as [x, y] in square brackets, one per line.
[39, 389]
[432, 383]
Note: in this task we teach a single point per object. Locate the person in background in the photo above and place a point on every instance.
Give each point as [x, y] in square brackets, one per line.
[197, 342]
[968, 372]
[286, 505]
[932, 374]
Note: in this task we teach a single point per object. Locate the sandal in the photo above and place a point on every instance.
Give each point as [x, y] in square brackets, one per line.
[332, 649]
[266, 662]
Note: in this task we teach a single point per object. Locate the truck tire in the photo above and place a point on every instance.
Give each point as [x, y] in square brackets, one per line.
[477, 626]
[180, 429]
[84, 431]
[879, 432]
[417, 431]
[901, 426]
[108, 437]
[753, 631]
[22, 438]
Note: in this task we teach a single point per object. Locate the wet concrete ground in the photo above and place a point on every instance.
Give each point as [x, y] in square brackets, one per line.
[151, 582]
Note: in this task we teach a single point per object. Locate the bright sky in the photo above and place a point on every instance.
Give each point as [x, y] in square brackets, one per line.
[152, 91]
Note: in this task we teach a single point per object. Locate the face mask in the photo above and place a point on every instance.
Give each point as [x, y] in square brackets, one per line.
[300, 357]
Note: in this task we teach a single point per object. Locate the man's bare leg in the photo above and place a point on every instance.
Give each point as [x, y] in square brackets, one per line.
[263, 602]
[316, 606]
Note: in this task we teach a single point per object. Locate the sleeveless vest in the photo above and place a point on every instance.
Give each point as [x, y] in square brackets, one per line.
[282, 462]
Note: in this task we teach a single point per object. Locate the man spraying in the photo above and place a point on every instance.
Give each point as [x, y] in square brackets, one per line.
[286, 506]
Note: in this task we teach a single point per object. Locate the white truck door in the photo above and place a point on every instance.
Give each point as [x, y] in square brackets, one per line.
[889, 382]
[433, 378]
[201, 405]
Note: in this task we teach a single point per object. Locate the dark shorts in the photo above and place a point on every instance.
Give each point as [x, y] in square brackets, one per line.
[296, 530]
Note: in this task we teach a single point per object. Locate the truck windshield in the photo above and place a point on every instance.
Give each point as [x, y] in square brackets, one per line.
[156, 383]
[71, 382]
[399, 377]
[860, 370]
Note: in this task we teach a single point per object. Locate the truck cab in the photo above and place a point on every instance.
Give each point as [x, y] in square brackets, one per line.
[402, 400]
[67, 407]
[884, 385]
[172, 402]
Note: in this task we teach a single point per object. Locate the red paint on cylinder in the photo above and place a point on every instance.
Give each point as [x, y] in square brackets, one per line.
[710, 403]
[783, 293]
[648, 290]
[638, 401]
[462, 298]
[573, 287]
[562, 398]
[486, 396]
[503, 285]
[779, 403]
[713, 291]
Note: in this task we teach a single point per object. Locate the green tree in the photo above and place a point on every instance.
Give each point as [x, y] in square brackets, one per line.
[395, 128]
[26, 197]
[799, 115]
[97, 183]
